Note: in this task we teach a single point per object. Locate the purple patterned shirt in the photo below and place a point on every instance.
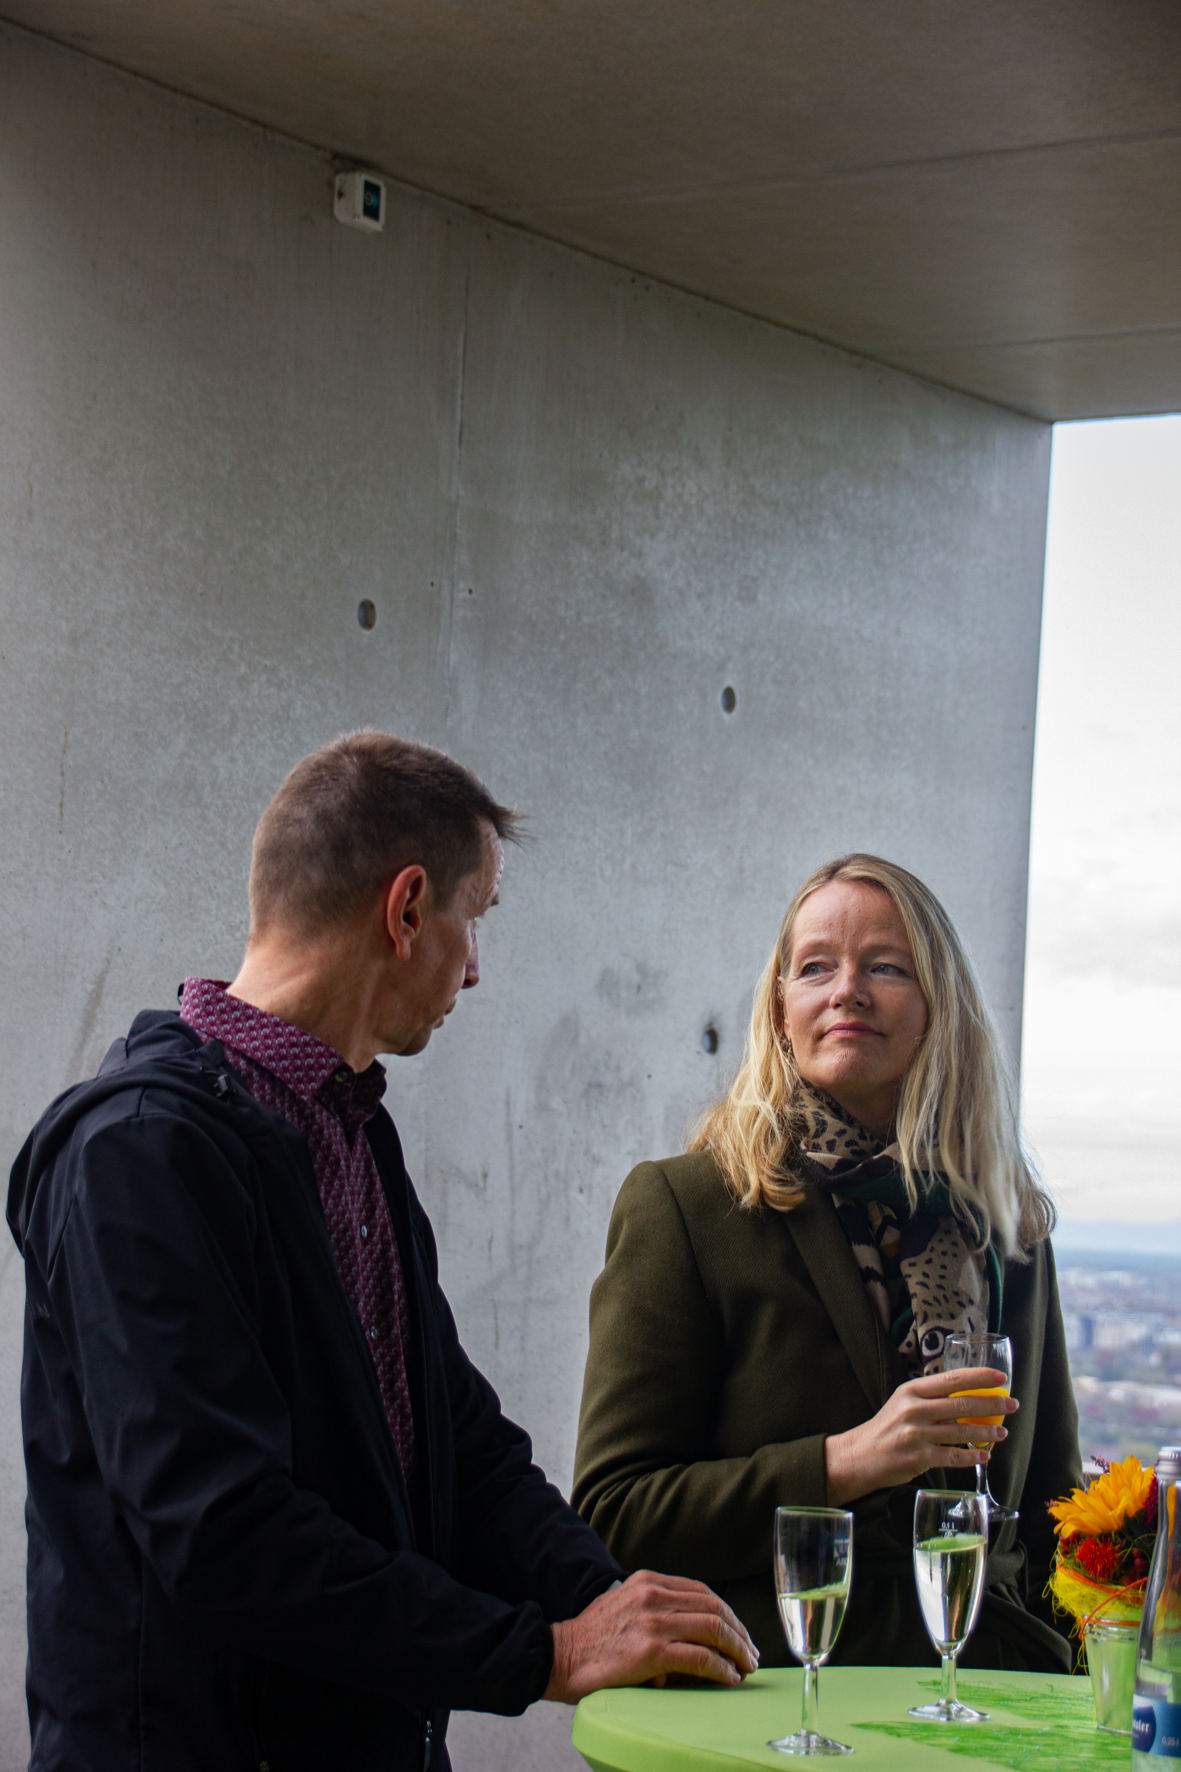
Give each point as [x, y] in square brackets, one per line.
[298, 1076]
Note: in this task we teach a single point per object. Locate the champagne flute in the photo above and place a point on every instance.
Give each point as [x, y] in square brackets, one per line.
[961, 1351]
[813, 1572]
[950, 1552]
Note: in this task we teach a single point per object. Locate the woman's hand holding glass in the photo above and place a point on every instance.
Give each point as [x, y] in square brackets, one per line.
[920, 1428]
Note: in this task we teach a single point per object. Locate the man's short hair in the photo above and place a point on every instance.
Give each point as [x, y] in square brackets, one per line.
[352, 815]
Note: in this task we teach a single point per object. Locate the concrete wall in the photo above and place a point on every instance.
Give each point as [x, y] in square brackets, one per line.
[582, 505]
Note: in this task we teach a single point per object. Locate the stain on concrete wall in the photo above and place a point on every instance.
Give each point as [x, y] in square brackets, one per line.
[709, 601]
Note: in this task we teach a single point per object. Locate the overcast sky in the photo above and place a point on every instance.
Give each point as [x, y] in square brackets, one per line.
[1102, 1041]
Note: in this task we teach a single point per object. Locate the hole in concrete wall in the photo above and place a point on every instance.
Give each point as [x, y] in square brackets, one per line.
[709, 1039]
[729, 700]
[366, 613]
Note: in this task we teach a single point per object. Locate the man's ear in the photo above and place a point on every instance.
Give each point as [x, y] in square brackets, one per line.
[405, 905]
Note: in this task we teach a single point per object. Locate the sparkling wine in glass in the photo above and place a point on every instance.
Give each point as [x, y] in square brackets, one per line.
[950, 1552]
[813, 1572]
[960, 1352]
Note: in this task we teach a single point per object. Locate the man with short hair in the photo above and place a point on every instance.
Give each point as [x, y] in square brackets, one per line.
[276, 1518]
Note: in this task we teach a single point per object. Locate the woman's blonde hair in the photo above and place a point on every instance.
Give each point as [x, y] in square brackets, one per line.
[956, 1113]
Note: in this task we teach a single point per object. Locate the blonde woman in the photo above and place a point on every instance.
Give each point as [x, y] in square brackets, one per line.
[769, 1326]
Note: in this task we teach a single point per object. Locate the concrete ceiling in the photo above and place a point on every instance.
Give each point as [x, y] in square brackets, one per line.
[986, 192]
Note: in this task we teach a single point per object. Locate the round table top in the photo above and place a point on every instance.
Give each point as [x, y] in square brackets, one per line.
[1037, 1723]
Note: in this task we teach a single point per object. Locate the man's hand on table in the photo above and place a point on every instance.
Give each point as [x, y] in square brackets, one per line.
[645, 1629]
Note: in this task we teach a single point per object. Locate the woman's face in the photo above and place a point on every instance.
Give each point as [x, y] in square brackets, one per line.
[852, 1007]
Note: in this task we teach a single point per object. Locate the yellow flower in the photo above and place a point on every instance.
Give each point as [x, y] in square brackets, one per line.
[1118, 1495]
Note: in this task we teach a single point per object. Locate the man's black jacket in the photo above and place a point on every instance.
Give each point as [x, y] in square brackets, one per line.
[224, 1570]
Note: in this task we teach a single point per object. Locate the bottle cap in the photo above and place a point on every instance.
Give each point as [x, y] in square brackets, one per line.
[1168, 1465]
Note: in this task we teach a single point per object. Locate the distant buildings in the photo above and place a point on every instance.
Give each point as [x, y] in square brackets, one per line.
[1150, 1335]
[1123, 1333]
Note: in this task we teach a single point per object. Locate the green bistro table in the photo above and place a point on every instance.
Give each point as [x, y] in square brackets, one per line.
[1037, 1723]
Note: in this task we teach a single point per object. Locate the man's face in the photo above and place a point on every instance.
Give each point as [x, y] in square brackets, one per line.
[447, 954]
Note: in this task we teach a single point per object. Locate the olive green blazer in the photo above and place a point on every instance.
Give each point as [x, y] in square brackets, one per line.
[725, 1345]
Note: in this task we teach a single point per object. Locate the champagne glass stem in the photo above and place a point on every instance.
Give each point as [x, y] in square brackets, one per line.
[995, 1511]
[947, 1682]
[810, 1723]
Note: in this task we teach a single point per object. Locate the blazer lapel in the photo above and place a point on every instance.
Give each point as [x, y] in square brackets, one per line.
[829, 1260]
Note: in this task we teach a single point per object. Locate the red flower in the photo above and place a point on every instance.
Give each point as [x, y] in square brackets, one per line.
[1099, 1557]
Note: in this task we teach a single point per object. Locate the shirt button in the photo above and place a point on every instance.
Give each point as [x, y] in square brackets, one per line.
[341, 1076]
[364, 1230]
[373, 1334]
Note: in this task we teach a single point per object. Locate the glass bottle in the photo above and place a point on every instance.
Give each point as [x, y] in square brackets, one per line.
[1156, 1708]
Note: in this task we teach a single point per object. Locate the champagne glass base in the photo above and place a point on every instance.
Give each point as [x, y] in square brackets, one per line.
[808, 1742]
[947, 1711]
[997, 1515]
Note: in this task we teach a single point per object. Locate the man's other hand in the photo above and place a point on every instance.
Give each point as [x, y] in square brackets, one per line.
[644, 1630]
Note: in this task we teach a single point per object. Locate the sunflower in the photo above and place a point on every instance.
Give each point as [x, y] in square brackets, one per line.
[1118, 1495]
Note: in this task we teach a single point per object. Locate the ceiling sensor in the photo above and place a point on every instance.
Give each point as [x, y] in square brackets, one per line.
[360, 201]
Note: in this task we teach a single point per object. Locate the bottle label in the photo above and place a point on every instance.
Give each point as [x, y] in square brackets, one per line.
[1156, 1727]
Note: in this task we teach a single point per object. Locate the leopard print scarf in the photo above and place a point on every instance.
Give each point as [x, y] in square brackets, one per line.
[926, 1275]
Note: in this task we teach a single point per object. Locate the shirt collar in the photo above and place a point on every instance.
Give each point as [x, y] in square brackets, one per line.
[306, 1065]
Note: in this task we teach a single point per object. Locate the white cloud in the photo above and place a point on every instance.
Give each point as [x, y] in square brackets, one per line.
[1102, 1044]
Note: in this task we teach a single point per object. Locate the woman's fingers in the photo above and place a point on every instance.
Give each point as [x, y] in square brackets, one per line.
[939, 1414]
[951, 1435]
[941, 1384]
[963, 1409]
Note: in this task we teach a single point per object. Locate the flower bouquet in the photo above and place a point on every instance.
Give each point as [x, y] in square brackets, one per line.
[1106, 1534]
